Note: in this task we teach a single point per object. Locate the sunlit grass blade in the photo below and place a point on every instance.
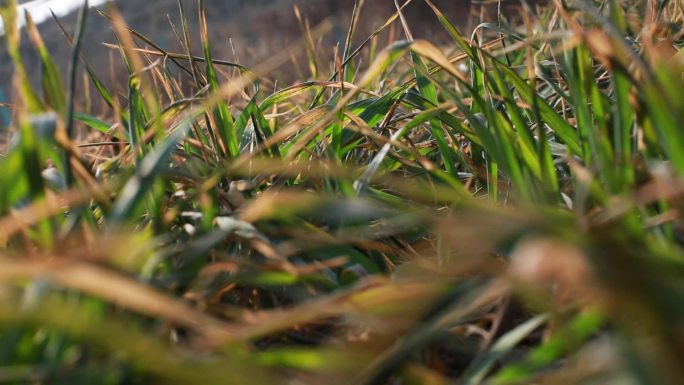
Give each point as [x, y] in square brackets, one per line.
[99, 85]
[428, 90]
[53, 86]
[223, 119]
[556, 122]
[137, 118]
[8, 10]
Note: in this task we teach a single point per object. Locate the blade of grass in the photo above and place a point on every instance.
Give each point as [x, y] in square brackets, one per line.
[53, 86]
[223, 119]
[8, 11]
[71, 86]
[146, 173]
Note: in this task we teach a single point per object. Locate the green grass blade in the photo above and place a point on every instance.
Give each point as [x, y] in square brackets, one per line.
[8, 11]
[428, 90]
[556, 122]
[480, 367]
[53, 86]
[150, 168]
[222, 116]
[71, 88]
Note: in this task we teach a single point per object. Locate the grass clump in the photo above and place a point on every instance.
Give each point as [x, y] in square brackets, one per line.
[502, 210]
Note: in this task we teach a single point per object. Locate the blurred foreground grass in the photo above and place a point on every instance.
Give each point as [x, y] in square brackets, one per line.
[506, 210]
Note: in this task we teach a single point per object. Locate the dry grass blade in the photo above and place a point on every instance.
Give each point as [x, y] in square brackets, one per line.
[118, 290]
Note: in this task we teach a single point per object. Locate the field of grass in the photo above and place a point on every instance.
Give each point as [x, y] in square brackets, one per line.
[503, 210]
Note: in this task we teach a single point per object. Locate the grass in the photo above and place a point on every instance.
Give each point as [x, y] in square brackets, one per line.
[503, 210]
